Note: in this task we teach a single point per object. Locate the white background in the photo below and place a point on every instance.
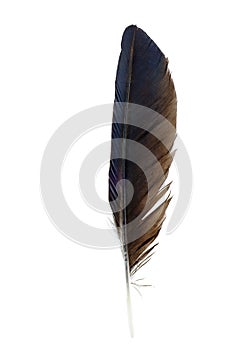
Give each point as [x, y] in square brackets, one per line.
[58, 58]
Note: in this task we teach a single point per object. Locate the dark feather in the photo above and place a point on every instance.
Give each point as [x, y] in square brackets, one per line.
[143, 79]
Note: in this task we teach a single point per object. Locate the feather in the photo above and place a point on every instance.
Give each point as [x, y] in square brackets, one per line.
[143, 88]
